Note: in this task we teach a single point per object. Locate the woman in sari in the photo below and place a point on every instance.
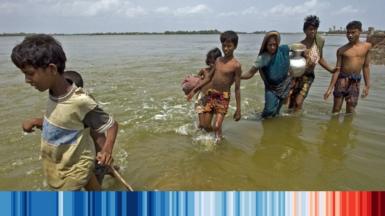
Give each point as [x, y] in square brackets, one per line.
[273, 64]
[314, 45]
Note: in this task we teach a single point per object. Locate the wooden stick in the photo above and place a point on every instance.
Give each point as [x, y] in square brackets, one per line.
[120, 178]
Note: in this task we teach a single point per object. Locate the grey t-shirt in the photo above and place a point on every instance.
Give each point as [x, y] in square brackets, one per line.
[98, 120]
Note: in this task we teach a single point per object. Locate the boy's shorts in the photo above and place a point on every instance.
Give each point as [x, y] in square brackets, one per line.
[216, 102]
[348, 86]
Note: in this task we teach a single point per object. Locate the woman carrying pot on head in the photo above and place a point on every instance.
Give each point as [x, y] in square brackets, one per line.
[273, 64]
[314, 45]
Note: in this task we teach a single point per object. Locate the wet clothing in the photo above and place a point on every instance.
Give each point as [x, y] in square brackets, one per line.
[67, 149]
[301, 85]
[348, 86]
[272, 80]
[274, 72]
[274, 97]
[216, 102]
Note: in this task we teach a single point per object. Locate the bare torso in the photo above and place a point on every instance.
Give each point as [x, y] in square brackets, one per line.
[224, 76]
[353, 56]
[203, 73]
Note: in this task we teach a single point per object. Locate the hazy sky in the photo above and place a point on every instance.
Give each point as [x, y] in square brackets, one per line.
[78, 16]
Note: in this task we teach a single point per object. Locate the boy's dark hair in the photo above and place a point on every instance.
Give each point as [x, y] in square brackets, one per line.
[75, 77]
[229, 36]
[311, 20]
[354, 25]
[39, 51]
[213, 54]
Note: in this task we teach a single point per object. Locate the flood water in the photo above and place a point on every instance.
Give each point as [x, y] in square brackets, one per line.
[137, 79]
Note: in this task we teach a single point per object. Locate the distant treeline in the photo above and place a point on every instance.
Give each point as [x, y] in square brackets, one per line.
[95, 33]
[15, 34]
[200, 32]
[215, 31]
[193, 32]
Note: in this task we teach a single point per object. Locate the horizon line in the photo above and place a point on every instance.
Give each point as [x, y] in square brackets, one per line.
[159, 33]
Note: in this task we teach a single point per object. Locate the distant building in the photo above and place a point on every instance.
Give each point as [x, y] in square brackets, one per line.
[370, 30]
[377, 39]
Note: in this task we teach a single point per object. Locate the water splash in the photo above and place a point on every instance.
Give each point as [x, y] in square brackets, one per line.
[185, 129]
[104, 103]
[205, 142]
[160, 117]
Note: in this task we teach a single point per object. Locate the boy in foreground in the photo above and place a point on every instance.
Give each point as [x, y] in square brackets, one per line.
[67, 150]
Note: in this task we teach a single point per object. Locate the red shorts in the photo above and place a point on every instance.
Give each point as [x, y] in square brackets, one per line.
[216, 102]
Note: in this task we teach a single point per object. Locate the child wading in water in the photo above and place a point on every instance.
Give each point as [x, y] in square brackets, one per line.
[314, 55]
[205, 117]
[67, 150]
[351, 59]
[226, 71]
[103, 159]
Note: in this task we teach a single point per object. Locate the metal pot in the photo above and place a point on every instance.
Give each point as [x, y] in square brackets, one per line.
[297, 61]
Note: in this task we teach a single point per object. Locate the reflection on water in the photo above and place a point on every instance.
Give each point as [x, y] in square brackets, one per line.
[282, 136]
[338, 136]
[282, 149]
[337, 144]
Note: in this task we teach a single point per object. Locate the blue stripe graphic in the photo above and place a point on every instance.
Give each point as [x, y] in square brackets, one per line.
[157, 203]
